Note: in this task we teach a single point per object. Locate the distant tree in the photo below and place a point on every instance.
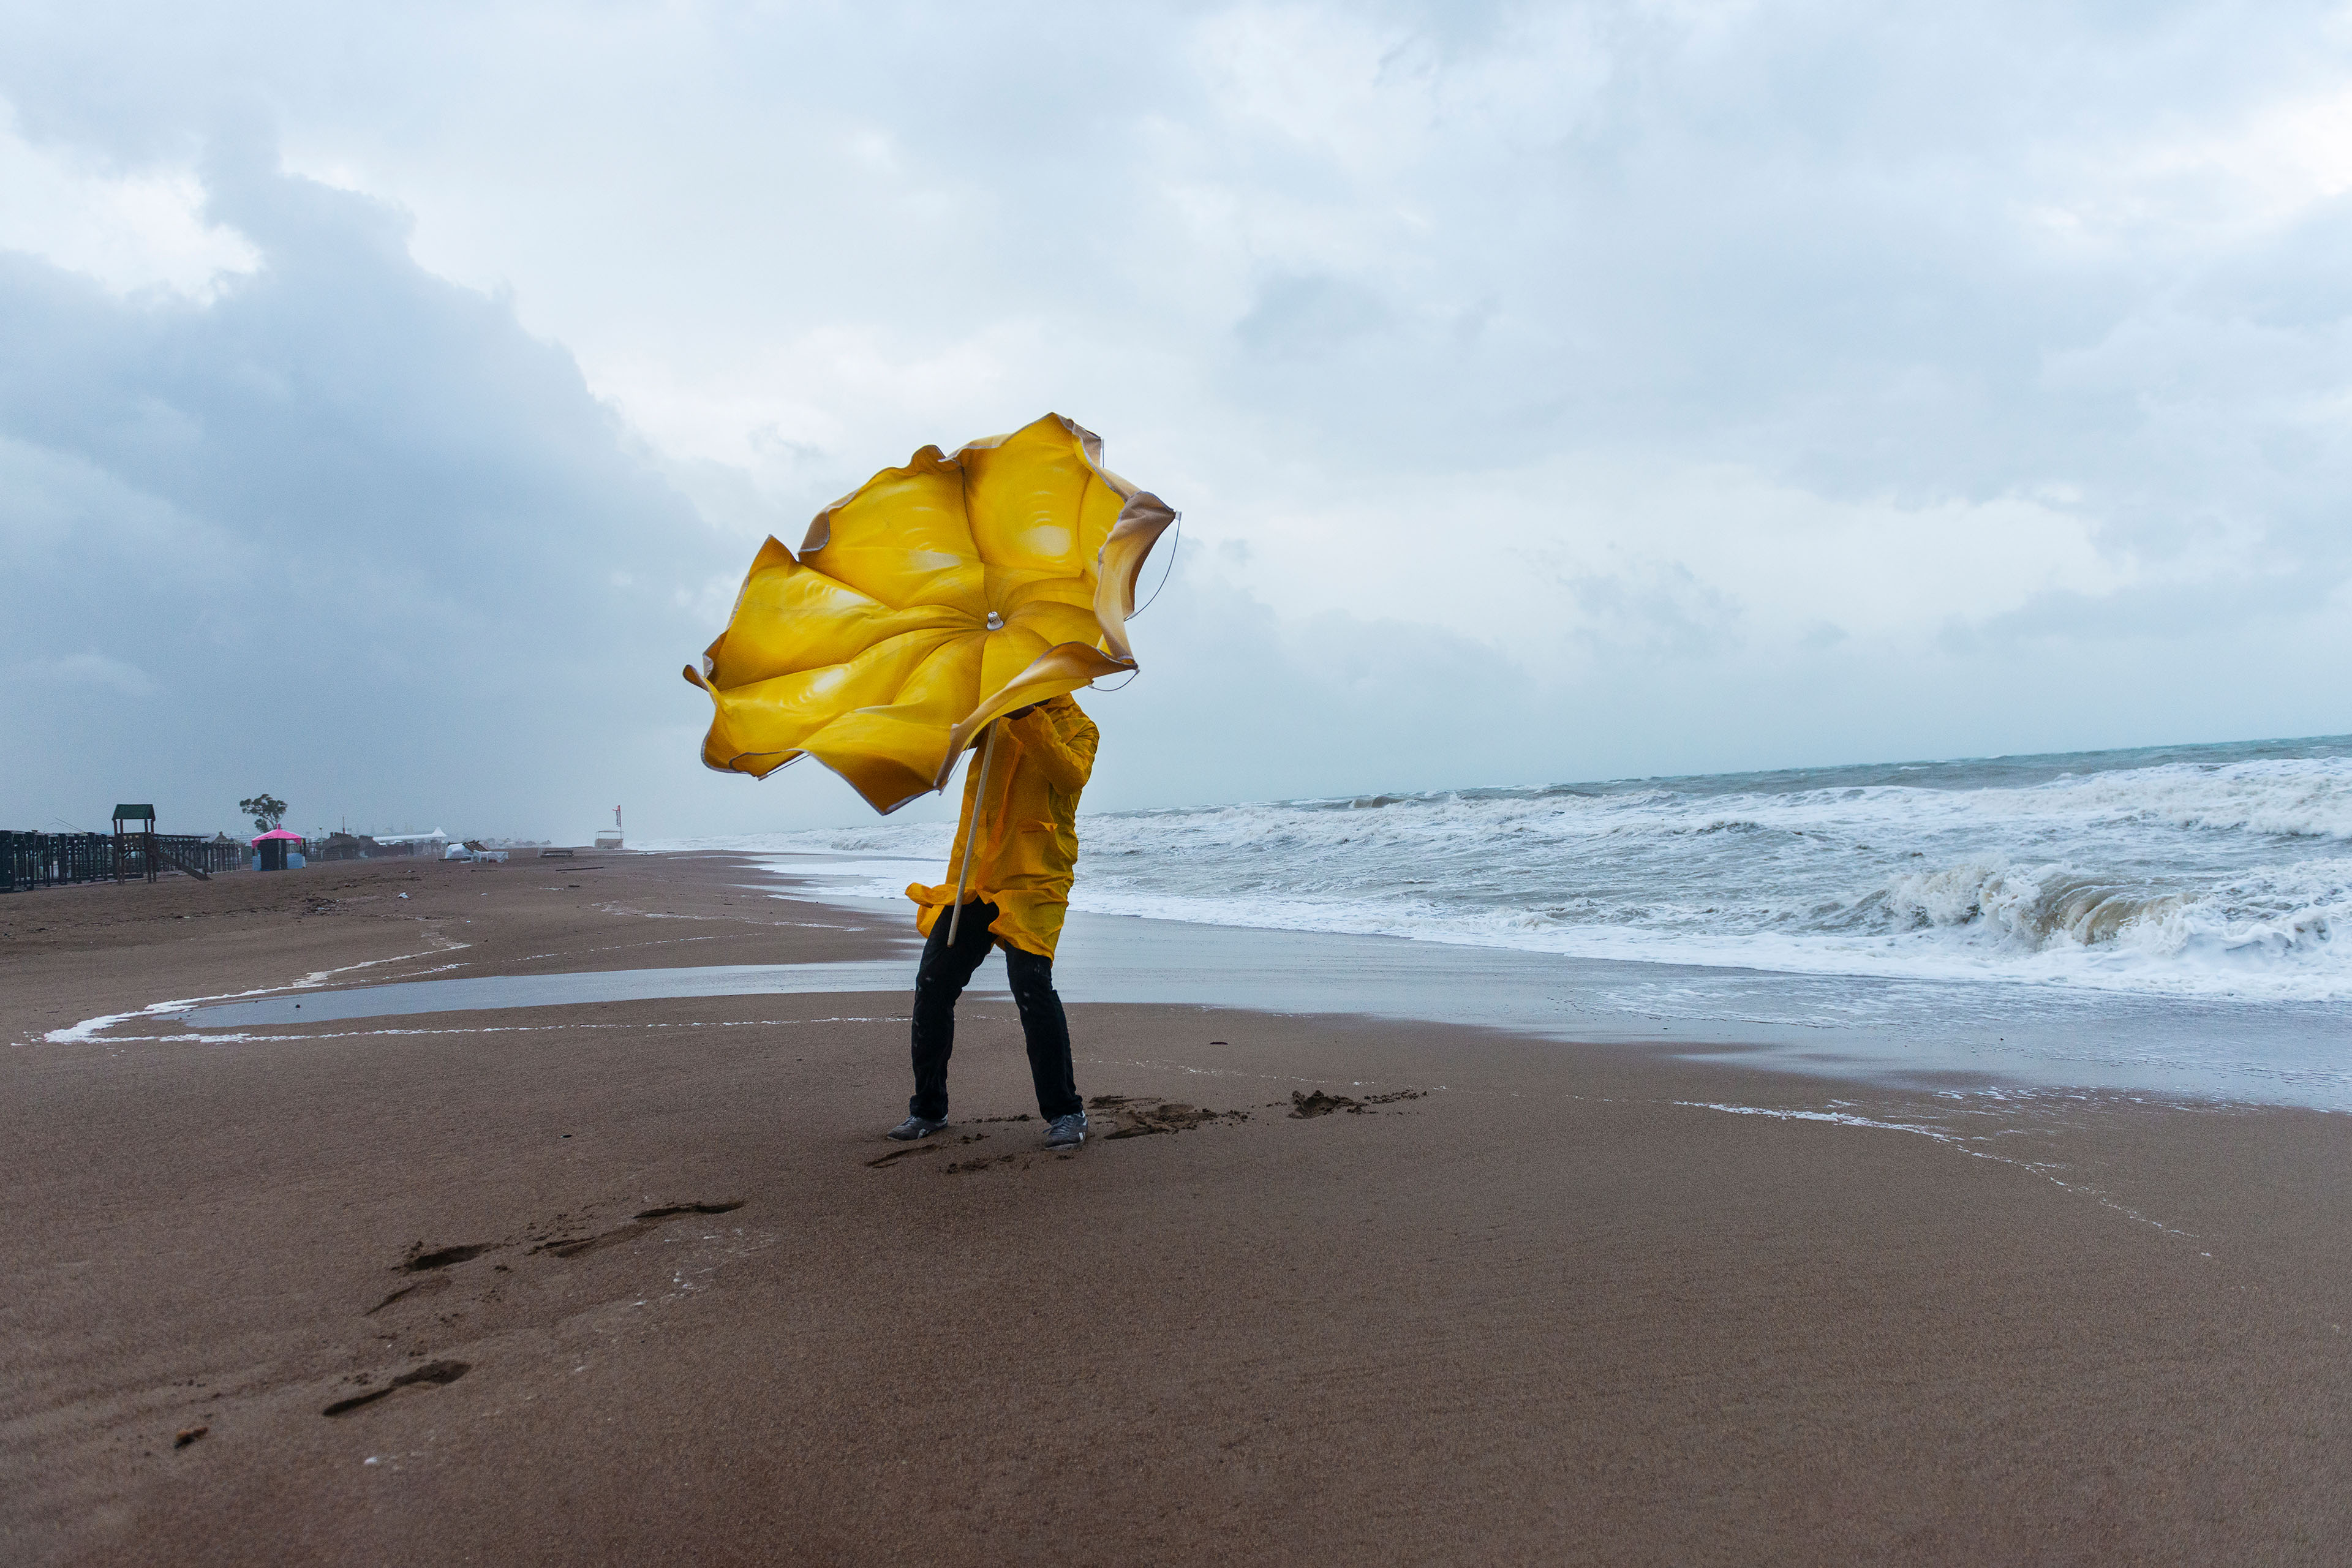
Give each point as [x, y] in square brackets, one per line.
[267, 811]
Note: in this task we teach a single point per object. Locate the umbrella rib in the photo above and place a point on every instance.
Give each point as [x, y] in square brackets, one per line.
[807, 667]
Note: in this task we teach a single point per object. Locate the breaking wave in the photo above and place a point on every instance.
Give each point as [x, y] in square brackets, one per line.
[2215, 870]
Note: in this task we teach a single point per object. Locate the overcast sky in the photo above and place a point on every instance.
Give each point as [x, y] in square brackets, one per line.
[391, 399]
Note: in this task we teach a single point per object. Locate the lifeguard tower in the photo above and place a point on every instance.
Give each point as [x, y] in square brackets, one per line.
[139, 845]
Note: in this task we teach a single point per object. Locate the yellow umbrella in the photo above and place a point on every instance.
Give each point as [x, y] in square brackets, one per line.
[932, 600]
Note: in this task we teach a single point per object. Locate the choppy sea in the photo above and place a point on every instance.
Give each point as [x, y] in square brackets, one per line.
[2123, 894]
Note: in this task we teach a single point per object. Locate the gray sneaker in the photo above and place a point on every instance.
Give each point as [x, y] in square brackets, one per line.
[915, 1127]
[1067, 1132]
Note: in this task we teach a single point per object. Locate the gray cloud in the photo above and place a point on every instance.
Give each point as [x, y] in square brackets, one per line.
[1878, 271]
[347, 533]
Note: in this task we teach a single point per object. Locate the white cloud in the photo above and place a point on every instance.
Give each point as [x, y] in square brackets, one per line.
[1802, 376]
[130, 231]
[1520, 557]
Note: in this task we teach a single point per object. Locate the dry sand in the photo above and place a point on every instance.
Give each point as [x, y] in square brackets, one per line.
[641, 1283]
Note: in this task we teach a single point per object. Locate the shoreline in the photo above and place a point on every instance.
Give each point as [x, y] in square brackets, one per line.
[2163, 874]
[1995, 1034]
[1997, 1037]
[1572, 1301]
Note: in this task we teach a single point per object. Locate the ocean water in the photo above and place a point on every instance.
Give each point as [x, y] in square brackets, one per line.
[2213, 871]
[2158, 922]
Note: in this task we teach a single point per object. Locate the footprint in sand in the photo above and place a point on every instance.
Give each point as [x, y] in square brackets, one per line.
[435, 1264]
[423, 1287]
[1140, 1117]
[909, 1149]
[433, 1374]
[954, 1167]
[639, 1223]
[934, 1146]
[730, 1206]
[1304, 1107]
[419, 1260]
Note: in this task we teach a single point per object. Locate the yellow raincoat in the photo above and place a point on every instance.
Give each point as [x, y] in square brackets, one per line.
[1028, 844]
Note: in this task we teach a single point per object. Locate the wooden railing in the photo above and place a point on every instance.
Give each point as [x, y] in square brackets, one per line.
[52, 859]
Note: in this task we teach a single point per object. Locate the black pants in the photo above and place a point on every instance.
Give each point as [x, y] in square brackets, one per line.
[941, 979]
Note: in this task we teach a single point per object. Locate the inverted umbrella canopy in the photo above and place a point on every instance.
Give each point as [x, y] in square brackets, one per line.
[933, 599]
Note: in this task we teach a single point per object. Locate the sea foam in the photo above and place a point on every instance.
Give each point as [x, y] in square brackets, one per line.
[2215, 870]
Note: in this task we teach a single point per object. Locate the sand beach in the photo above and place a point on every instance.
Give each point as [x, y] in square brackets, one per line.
[639, 1281]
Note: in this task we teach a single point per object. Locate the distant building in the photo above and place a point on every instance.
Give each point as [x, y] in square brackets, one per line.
[428, 843]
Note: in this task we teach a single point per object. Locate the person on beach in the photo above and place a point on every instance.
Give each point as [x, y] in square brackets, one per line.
[1024, 845]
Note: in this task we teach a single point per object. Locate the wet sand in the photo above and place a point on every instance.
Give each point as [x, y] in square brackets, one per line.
[639, 1281]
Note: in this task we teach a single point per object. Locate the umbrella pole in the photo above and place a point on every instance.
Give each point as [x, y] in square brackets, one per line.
[971, 831]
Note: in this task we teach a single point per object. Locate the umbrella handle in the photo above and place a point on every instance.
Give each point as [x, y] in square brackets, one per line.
[971, 831]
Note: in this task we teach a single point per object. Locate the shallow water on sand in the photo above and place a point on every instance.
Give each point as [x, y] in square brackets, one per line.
[1918, 1033]
[481, 993]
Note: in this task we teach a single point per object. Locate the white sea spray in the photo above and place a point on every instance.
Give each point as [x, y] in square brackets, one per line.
[2219, 871]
